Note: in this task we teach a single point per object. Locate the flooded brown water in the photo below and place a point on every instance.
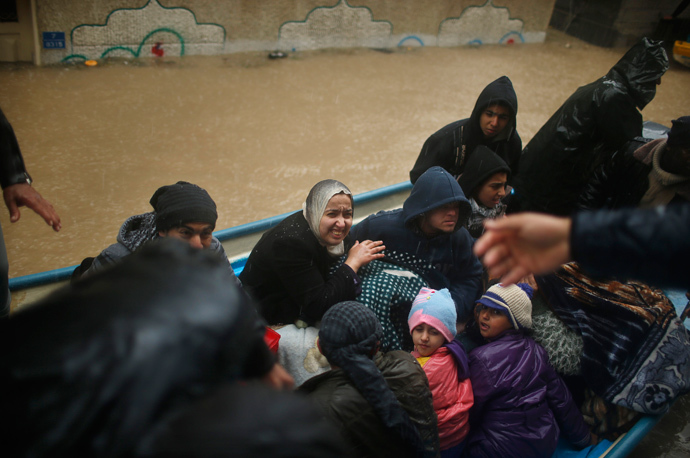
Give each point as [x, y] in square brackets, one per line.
[258, 133]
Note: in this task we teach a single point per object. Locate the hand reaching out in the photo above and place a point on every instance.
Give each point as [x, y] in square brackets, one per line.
[22, 194]
[522, 244]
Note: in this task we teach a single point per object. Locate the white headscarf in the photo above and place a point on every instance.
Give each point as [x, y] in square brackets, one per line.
[315, 205]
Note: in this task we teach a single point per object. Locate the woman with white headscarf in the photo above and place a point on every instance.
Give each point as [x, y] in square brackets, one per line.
[288, 271]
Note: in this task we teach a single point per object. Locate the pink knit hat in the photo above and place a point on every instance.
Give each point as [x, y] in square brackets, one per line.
[435, 308]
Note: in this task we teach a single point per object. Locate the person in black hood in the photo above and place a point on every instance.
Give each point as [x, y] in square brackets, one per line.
[430, 227]
[492, 124]
[595, 121]
[484, 184]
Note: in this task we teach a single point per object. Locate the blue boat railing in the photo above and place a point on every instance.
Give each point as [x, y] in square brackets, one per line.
[64, 273]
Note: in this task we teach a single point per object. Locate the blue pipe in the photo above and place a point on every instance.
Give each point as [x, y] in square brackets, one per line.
[57, 275]
[633, 437]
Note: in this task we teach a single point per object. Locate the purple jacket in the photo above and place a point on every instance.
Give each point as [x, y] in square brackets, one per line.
[519, 401]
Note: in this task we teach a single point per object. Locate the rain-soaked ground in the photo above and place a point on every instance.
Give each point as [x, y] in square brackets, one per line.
[258, 133]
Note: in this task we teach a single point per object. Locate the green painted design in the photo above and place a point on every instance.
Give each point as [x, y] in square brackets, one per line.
[74, 56]
[163, 29]
[115, 48]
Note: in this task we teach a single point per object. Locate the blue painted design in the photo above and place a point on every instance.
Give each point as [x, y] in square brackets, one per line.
[411, 37]
[476, 42]
[509, 34]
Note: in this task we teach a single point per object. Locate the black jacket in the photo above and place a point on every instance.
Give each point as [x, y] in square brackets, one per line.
[341, 403]
[595, 121]
[12, 169]
[288, 274]
[648, 245]
[624, 180]
[92, 368]
[452, 146]
[620, 181]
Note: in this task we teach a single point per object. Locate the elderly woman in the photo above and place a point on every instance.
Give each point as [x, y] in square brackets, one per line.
[288, 271]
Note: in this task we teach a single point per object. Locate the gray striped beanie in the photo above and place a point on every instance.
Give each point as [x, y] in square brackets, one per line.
[514, 300]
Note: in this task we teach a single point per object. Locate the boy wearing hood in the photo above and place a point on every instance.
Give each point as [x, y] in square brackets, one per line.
[492, 124]
[430, 226]
[595, 121]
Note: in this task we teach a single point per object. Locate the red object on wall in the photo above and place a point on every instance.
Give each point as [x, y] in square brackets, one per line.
[157, 49]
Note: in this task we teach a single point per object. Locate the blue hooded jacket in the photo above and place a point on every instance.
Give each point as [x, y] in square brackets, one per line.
[454, 265]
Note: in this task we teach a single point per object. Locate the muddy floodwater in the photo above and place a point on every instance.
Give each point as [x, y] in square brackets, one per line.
[258, 133]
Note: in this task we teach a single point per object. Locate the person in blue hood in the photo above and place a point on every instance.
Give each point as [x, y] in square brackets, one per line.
[491, 124]
[596, 120]
[430, 226]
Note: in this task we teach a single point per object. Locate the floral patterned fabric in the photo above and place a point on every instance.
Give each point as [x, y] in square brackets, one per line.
[636, 352]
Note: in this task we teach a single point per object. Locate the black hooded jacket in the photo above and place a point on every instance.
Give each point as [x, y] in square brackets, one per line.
[12, 169]
[452, 146]
[595, 121]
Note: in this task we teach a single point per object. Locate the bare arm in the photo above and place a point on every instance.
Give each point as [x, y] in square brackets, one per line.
[22, 194]
[518, 245]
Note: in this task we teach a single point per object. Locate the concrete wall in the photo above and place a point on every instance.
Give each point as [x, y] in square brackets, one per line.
[130, 28]
[618, 22]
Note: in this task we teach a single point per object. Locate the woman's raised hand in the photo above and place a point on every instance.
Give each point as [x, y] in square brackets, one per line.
[362, 253]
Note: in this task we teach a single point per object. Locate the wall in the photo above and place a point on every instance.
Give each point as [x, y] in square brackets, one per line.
[16, 38]
[617, 22]
[131, 28]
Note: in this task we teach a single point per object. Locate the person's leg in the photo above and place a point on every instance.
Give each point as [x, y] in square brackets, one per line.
[5, 297]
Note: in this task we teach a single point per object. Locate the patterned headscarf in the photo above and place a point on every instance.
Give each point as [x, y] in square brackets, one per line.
[315, 205]
[349, 336]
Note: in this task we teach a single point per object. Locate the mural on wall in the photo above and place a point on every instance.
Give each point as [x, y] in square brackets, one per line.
[486, 24]
[156, 30]
[152, 30]
[339, 26]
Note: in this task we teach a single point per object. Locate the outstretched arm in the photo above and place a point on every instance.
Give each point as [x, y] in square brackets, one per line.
[22, 194]
[525, 243]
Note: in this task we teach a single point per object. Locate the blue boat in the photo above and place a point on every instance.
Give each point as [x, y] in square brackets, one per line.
[238, 242]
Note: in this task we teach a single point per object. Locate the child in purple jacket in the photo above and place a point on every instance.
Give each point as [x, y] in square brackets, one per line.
[520, 403]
